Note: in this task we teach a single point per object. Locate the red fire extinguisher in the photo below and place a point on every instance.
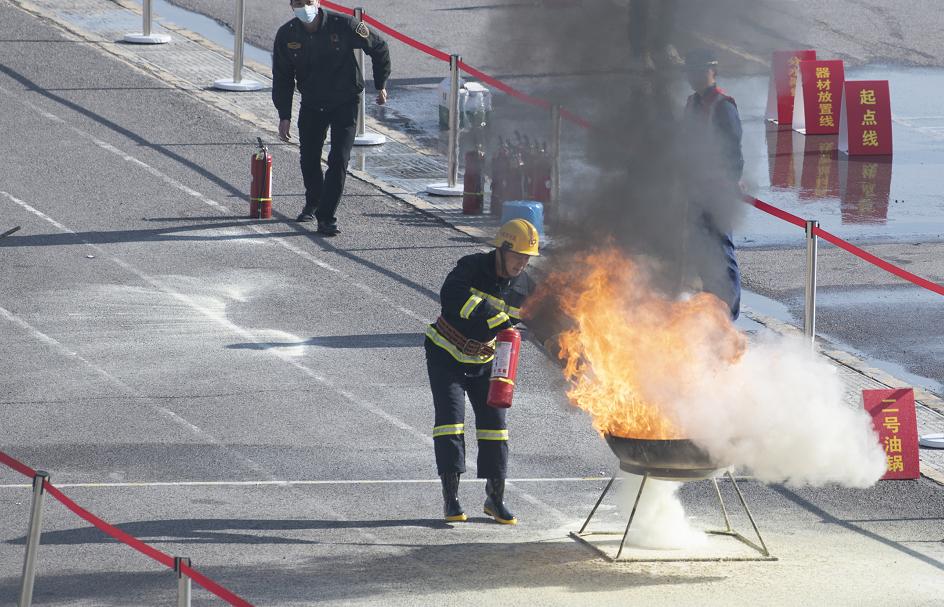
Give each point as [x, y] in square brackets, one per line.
[260, 190]
[501, 388]
[473, 195]
[541, 176]
[500, 168]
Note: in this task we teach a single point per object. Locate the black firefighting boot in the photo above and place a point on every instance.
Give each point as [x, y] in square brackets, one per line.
[451, 507]
[495, 502]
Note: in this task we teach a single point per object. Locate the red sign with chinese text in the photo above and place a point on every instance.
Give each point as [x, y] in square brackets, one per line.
[819, 178]
[866, 185]
[783, 79]
[865, 127]
[818, 97]
[893, 416]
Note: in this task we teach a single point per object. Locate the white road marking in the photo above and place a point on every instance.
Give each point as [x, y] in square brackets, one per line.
[277, 483]
[217, 206]
[249, 336]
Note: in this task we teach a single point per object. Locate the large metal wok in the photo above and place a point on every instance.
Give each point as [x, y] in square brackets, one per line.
[677, 459]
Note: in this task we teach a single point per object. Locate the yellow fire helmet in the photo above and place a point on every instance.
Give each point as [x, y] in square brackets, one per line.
[518, 235]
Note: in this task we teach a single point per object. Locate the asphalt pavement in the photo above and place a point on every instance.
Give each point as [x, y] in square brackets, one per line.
[253, 396]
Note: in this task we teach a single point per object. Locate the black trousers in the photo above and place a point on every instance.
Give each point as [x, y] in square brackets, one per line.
[323, 191]
[450, 384]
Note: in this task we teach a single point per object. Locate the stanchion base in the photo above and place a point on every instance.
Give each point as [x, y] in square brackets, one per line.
[149, 39]
[242, 85]
[370, 139]
[443, 189]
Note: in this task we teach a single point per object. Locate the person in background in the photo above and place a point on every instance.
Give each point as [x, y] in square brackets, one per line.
[315, 51]
[714, 129]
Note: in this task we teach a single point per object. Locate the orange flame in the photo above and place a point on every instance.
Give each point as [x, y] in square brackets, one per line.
[631, 352]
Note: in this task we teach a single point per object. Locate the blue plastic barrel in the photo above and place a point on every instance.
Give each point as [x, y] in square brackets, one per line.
[531, 210]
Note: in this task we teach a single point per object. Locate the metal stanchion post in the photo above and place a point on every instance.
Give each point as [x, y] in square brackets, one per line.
[809, 315]
[452, 187]
[363, 137]
[239, 35]
[145, 36]
[183, 582]
[32, 538]
[554, 210]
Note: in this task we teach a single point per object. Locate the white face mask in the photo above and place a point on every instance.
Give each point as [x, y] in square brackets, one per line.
[306, 13]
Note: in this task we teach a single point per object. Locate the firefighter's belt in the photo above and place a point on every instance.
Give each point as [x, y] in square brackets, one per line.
[467, 346]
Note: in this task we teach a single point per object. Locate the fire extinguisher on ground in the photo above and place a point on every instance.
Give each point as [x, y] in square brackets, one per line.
[501, 388]
[541, 176]
[500, 169]
[473, 195]
[260, 190]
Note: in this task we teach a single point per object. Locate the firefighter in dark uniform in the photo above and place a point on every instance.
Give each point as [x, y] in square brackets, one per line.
[713, 118]
[481, 296]
[316, 51]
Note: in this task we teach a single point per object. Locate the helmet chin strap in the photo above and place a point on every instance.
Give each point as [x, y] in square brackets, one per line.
[501, 264]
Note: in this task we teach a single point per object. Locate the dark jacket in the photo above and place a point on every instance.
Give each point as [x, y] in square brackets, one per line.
[719, 110]
[322, 63]
[479, 304]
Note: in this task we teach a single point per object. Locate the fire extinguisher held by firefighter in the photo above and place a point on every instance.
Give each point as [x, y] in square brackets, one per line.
[472, 350]
[260, 189]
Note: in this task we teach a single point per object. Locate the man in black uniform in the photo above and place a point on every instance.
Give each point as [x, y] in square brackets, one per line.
[481, 296]
[316, 50]
[715, 140]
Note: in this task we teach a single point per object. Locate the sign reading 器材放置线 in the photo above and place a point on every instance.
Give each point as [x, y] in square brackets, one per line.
[818, 97]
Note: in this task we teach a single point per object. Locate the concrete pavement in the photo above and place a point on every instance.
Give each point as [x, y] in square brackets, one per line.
[159, 336]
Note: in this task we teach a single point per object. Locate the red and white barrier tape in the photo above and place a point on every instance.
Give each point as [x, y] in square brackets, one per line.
[126, 538]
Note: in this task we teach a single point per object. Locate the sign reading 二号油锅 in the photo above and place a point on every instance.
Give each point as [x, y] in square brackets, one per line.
[865, 126]
[818, 97]
[893, 417]
[783, 80]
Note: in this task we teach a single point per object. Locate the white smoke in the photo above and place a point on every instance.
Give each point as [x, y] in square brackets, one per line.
[660, 521]
[778, 412]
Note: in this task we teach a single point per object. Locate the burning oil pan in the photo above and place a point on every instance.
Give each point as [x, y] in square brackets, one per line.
[675, 460]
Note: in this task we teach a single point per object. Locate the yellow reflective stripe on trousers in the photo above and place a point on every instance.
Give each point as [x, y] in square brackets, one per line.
[448, 430]
[498, 304]
[491, 434]
[498, 319]
[448, 346]
[470, 306]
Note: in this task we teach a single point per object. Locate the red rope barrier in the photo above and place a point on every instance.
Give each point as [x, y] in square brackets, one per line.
[847, 246]
[772, 210]
[213, 587]
[498, 84]
[17, 465]
[337, 7]
[434, 52]
[878, 261]
[111, 530]
[443, 56]
[126, 538]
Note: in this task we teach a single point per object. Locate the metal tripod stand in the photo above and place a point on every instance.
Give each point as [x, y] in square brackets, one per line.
[582, 535]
